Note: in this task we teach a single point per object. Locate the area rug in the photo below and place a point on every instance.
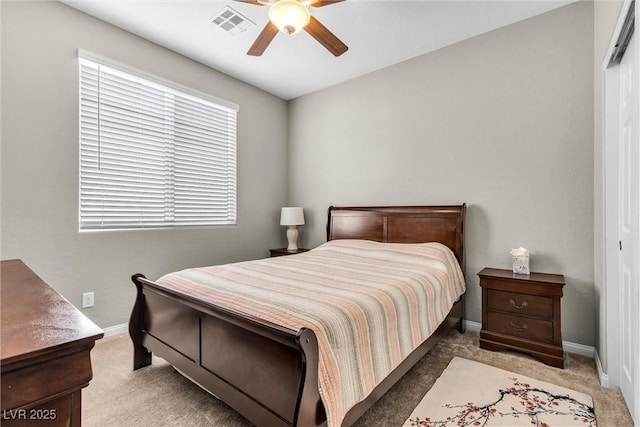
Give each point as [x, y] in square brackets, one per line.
[470, 393]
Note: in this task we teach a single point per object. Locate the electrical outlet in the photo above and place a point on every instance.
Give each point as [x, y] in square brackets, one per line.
[87, 299]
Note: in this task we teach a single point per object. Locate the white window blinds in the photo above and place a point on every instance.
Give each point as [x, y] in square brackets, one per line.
[151, 155]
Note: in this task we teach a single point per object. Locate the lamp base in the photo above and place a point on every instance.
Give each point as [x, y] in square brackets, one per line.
[292, 237]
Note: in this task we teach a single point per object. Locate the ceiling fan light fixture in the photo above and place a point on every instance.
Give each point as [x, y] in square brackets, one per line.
[290, 16]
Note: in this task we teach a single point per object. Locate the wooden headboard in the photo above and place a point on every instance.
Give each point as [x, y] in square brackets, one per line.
[400, 224]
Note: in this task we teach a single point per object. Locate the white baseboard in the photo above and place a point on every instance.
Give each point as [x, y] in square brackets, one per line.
[115, 330]
[472, 326]
[582, 350]
[569, 347]
[604, 378]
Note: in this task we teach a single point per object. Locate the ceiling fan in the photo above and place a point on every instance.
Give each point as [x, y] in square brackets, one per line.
[291, 16]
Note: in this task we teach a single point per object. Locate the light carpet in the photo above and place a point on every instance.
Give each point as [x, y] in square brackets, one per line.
[470, 393]
[158, 396]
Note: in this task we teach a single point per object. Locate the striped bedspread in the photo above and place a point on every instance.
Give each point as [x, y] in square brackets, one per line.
[370, 304]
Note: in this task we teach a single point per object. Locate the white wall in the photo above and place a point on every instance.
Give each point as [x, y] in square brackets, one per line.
[40, 162]
[503, 122]
[605, 18]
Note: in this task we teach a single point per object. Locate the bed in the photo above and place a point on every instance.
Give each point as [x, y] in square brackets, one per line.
[267, 372]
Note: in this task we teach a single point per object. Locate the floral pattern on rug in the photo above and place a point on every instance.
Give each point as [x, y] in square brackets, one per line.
[533, 402]
[470, 393]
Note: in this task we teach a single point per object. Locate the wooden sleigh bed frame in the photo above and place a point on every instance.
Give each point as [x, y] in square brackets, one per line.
[268, 373]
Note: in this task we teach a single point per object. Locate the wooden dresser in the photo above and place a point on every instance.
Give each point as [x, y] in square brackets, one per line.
[522, 312]
[45, 344]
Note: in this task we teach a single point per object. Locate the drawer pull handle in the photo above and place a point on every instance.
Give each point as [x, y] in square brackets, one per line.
[519, 307]
[522, 328]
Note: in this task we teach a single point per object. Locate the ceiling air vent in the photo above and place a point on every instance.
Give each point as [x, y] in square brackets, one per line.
[232, 21]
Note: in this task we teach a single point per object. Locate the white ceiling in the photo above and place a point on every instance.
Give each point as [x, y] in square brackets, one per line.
[379, 34]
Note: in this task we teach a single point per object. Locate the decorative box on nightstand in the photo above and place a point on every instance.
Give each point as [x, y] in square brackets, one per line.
[284, 251]
[522, 312]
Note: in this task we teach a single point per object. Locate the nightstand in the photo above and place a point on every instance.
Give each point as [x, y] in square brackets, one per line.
[284, 251]
[522, 312]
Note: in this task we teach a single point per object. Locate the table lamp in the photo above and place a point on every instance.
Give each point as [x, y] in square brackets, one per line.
[292, 217]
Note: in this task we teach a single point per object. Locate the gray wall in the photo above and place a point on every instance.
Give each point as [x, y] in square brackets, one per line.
[503, 122]
[40, 162]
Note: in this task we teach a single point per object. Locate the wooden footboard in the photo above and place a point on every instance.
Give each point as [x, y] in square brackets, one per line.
[267, 373]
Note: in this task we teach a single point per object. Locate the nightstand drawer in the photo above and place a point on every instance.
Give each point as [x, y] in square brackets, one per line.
[523, 327]
[513, 302]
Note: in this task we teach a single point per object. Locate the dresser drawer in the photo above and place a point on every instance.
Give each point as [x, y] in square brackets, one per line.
[513, 302]
[523, 327]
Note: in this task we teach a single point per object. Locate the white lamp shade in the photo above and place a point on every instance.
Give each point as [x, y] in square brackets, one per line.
[292, 216]
[289, 16]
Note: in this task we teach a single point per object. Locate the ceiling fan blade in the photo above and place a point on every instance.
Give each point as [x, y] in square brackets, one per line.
[262, 42]
[321, 3]
[325, 37]
[251, 1]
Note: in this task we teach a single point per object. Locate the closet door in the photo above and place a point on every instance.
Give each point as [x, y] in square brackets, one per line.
[629, 227]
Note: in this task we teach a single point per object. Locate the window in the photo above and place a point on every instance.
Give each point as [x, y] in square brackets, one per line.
[152, 154]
